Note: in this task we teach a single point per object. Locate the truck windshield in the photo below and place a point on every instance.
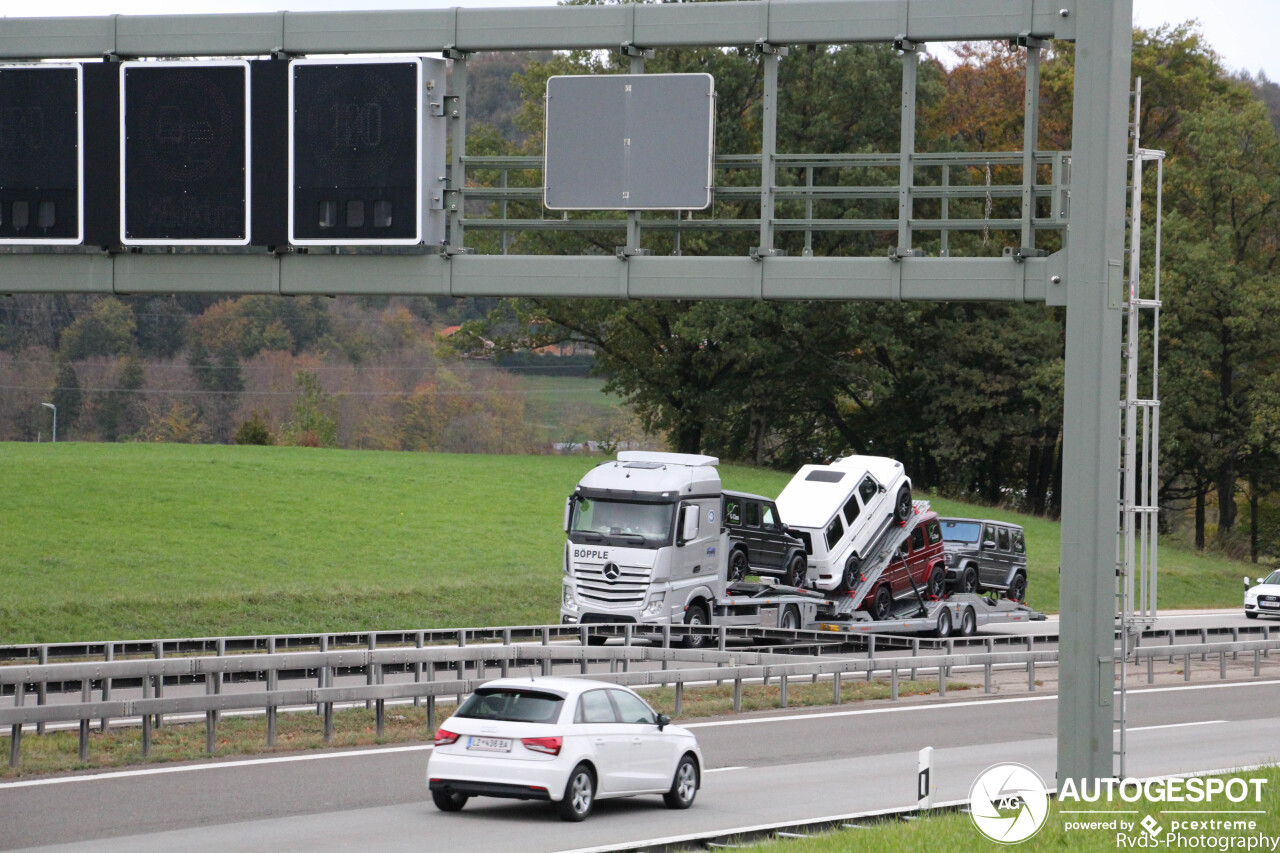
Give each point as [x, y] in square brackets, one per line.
[636, 525]
[961, 531]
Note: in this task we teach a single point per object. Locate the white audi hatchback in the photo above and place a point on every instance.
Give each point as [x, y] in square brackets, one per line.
[566, 740]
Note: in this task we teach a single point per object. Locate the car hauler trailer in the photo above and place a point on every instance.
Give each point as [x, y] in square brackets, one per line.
[647, 546]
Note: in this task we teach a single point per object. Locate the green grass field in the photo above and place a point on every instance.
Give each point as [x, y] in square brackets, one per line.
[120, 541]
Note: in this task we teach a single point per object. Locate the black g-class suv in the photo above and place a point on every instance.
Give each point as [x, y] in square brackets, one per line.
[985, 555]
[759, 543]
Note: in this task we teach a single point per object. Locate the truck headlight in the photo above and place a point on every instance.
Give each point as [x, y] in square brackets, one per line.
[568, 600]
[655, 603]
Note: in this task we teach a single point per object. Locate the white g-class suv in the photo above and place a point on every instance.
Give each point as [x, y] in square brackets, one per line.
[841, 510]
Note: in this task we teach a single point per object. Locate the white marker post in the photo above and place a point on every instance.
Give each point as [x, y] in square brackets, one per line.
[924, 779]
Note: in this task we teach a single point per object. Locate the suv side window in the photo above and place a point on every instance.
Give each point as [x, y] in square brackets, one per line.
[594, 707]
[868, 488]
[1002, 539]
[753, 514]
[917, 539]
[935, 534]
[1018, 547]
[732, 512]
[834, 531]
[631, 709]
[768, 518]
[851, 509]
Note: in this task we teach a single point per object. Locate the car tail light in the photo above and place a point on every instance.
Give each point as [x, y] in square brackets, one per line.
[546, 745]
[444, 737]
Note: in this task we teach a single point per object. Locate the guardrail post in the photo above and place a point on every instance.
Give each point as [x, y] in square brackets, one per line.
[217, 682]
[15, 744]
[146, 727]
[893, 682]
[915, 652]
[159, 647]
[942, 680]
[506, 641]
[328, 721]
[461, 665]
[1031, 675]
[737, 695]
[1186, 669]
[1170, 647]
[86, 687]
[782, 690]
[321, 670]
[210, 717]
[723, 635]
[42, 689]
[370, 678]
[1151, 669]
[1257, 663]
[835, 688]
[109, 656]
[666, 636]
[418, 642]
[380, 717]
[1222, 665]
[1266, 635]
[951, 650]
[273, 684]
[431, 700]
[1204, 640]
[546, 642]
[679, 698]
[1235, 638]
[986, 677]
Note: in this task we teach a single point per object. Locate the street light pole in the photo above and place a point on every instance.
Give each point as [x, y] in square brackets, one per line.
[55, 419]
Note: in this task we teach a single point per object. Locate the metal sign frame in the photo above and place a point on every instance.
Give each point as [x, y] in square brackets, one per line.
[79, 238]
[125, 239]
[1078, 276]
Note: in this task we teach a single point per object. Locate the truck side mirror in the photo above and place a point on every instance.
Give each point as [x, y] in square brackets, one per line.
[688, 523]
[568, 511]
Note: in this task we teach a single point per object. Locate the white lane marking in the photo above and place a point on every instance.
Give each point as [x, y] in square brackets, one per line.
[1177, 725]
[939, 706]
[221, 765]
[723, 769]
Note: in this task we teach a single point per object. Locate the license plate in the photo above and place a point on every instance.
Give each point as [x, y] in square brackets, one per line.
[1270, 605]
[489, 744]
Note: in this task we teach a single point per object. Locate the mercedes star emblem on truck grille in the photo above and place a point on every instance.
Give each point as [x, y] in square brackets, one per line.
[612, 572]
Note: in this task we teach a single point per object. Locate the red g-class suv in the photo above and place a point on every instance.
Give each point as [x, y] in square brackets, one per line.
[920, 559]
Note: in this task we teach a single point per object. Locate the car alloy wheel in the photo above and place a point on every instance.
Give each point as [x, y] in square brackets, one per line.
[579, 794]
[685, 786]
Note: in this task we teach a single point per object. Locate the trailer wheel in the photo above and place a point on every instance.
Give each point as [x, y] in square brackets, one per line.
[902, 508]
[968, 623]
[696, 615]
[882, 604]
[797, 571]
[1017, 590]
[791, 618]
[944, 624]
[737, 564]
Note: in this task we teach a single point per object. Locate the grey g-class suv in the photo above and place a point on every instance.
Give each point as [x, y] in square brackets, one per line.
[985, 555]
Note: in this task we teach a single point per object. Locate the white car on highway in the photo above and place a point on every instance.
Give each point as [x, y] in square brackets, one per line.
[566, 740]
[1264, 598]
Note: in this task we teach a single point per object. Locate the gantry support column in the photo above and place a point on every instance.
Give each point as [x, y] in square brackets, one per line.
[1091, 429]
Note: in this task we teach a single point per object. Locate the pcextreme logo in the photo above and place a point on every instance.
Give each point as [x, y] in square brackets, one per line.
[1008, 803]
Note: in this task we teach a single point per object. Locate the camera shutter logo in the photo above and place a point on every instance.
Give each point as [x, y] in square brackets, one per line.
[1008, 803]
[612, 572]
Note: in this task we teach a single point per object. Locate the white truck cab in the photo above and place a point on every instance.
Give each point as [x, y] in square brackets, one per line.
[645, 541]
[841, 511]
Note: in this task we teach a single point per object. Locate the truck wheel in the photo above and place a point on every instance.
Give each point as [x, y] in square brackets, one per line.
[696, 615]
[902, 508]
[969, 580]
[968, 623]
[852, 574]
[937, 582]
[797, 571]
[1017, 590]
[882, 604]
[737, 565]
[944, 624]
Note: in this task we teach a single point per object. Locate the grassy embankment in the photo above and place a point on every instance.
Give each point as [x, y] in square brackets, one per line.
[955, 831]
[119, 541]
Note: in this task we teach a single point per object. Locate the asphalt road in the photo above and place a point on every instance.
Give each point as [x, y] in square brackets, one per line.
[762, 768]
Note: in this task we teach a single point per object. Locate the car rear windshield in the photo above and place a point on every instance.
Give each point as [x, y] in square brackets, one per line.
[961, 531]
[519, 705]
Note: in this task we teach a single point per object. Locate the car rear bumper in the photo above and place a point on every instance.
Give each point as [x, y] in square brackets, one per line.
[472, 788]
